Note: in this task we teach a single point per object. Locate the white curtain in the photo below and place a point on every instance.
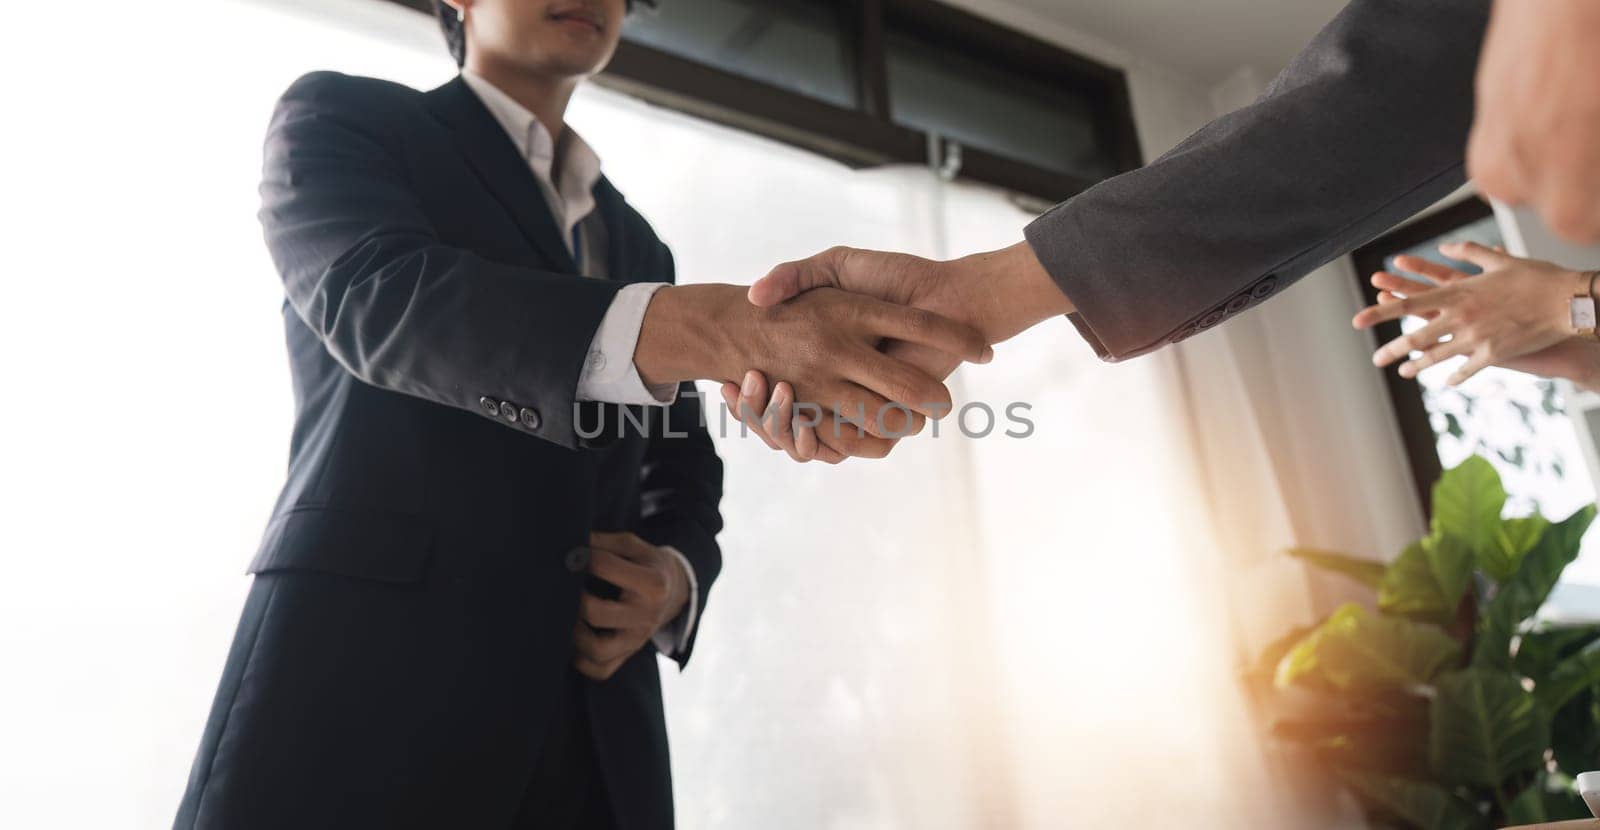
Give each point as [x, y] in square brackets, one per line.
[1000, 632]
[1036, 632]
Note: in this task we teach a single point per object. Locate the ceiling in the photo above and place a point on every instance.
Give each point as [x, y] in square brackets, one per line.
[1208, 38]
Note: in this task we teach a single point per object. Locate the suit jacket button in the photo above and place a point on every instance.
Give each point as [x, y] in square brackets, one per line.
[509, 412]
[530, 417]
[491, 407]
[1264, 287]
[577, 560]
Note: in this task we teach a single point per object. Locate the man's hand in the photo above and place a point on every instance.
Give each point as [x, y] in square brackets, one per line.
[824, 344]
[653, 591]
[1001, 294]
[1514, 315]
[1536, 134]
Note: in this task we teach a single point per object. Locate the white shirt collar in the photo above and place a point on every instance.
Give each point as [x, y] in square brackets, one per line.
[572, 198]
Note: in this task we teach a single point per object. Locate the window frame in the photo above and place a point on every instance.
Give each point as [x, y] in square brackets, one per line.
[867, 136]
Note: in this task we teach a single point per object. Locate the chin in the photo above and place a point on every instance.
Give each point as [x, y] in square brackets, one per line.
[572, 59]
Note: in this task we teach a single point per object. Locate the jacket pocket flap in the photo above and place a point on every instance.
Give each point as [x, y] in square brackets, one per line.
[368, 545]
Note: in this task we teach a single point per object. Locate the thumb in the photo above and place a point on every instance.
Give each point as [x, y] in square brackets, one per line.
[791, 279]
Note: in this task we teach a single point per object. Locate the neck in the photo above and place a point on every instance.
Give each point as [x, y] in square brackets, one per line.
[544, 96]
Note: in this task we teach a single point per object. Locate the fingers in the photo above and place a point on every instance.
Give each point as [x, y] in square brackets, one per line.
[806, 417]
[1396, 284]
[609, 614]
[1474, 364]
[879, 415]
[779, 419]
[790, 279]
[598, 655]
[1486, 258]
[915, 325]
[747, 408]
[1434, 355]
[1420, 340]
[627, 545]
[889, 393]
[627, 574]
[1438, 272]
[1410, 306]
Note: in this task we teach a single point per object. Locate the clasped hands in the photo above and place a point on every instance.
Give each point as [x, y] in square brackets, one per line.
[856, 343]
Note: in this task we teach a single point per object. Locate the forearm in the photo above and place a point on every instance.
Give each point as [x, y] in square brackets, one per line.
[1582, 366]
[1262, 196]
[412, 316]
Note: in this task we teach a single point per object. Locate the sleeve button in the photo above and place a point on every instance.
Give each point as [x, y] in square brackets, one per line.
[530, 417]
[491, 407]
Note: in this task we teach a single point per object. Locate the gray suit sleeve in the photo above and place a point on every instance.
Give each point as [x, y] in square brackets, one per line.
[1365, 127]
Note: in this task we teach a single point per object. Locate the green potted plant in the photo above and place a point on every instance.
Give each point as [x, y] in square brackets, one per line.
[1450, 706]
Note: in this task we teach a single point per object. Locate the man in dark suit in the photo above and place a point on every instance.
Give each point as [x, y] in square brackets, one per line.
[502, 501]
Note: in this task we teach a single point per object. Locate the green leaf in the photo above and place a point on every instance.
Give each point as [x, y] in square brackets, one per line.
[1392, 745]
[1427, 580]
[1484, 728]
[1511, 541]
[1539, 651]
[1574, 738]
[1467, 501]
[1528, 806]
[1422, 804]
[1521, 595]
[1538, 803]
[1364, 571]
[1565, 806]
[1262, 671]
[1353, 649]
[1569, 677]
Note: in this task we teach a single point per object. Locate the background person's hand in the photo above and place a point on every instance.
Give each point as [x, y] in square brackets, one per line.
[1514, 315]
[1536, 132]
[652, 591]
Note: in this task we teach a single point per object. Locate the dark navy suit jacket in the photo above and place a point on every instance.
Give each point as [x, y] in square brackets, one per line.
[409, 631]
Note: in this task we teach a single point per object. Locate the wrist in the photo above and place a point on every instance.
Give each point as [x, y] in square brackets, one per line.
[1577, 317]
[677, 590]
[686, 334]
[1011, 291]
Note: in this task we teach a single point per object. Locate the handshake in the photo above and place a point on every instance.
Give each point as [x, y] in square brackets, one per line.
[856, 343]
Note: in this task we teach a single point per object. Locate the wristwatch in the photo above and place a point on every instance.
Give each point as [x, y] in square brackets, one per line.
[1582, 310]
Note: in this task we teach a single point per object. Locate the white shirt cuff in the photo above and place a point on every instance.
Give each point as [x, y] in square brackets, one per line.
[672, 638]
[609, 375]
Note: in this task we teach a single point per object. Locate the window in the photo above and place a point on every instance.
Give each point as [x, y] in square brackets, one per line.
[993, 108]
[798, 45]
[872, 82]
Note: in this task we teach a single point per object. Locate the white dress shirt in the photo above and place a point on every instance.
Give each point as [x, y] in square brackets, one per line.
[609, 375]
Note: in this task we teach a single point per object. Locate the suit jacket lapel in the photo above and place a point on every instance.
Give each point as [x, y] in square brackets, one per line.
[610, 205]
[505, 173]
